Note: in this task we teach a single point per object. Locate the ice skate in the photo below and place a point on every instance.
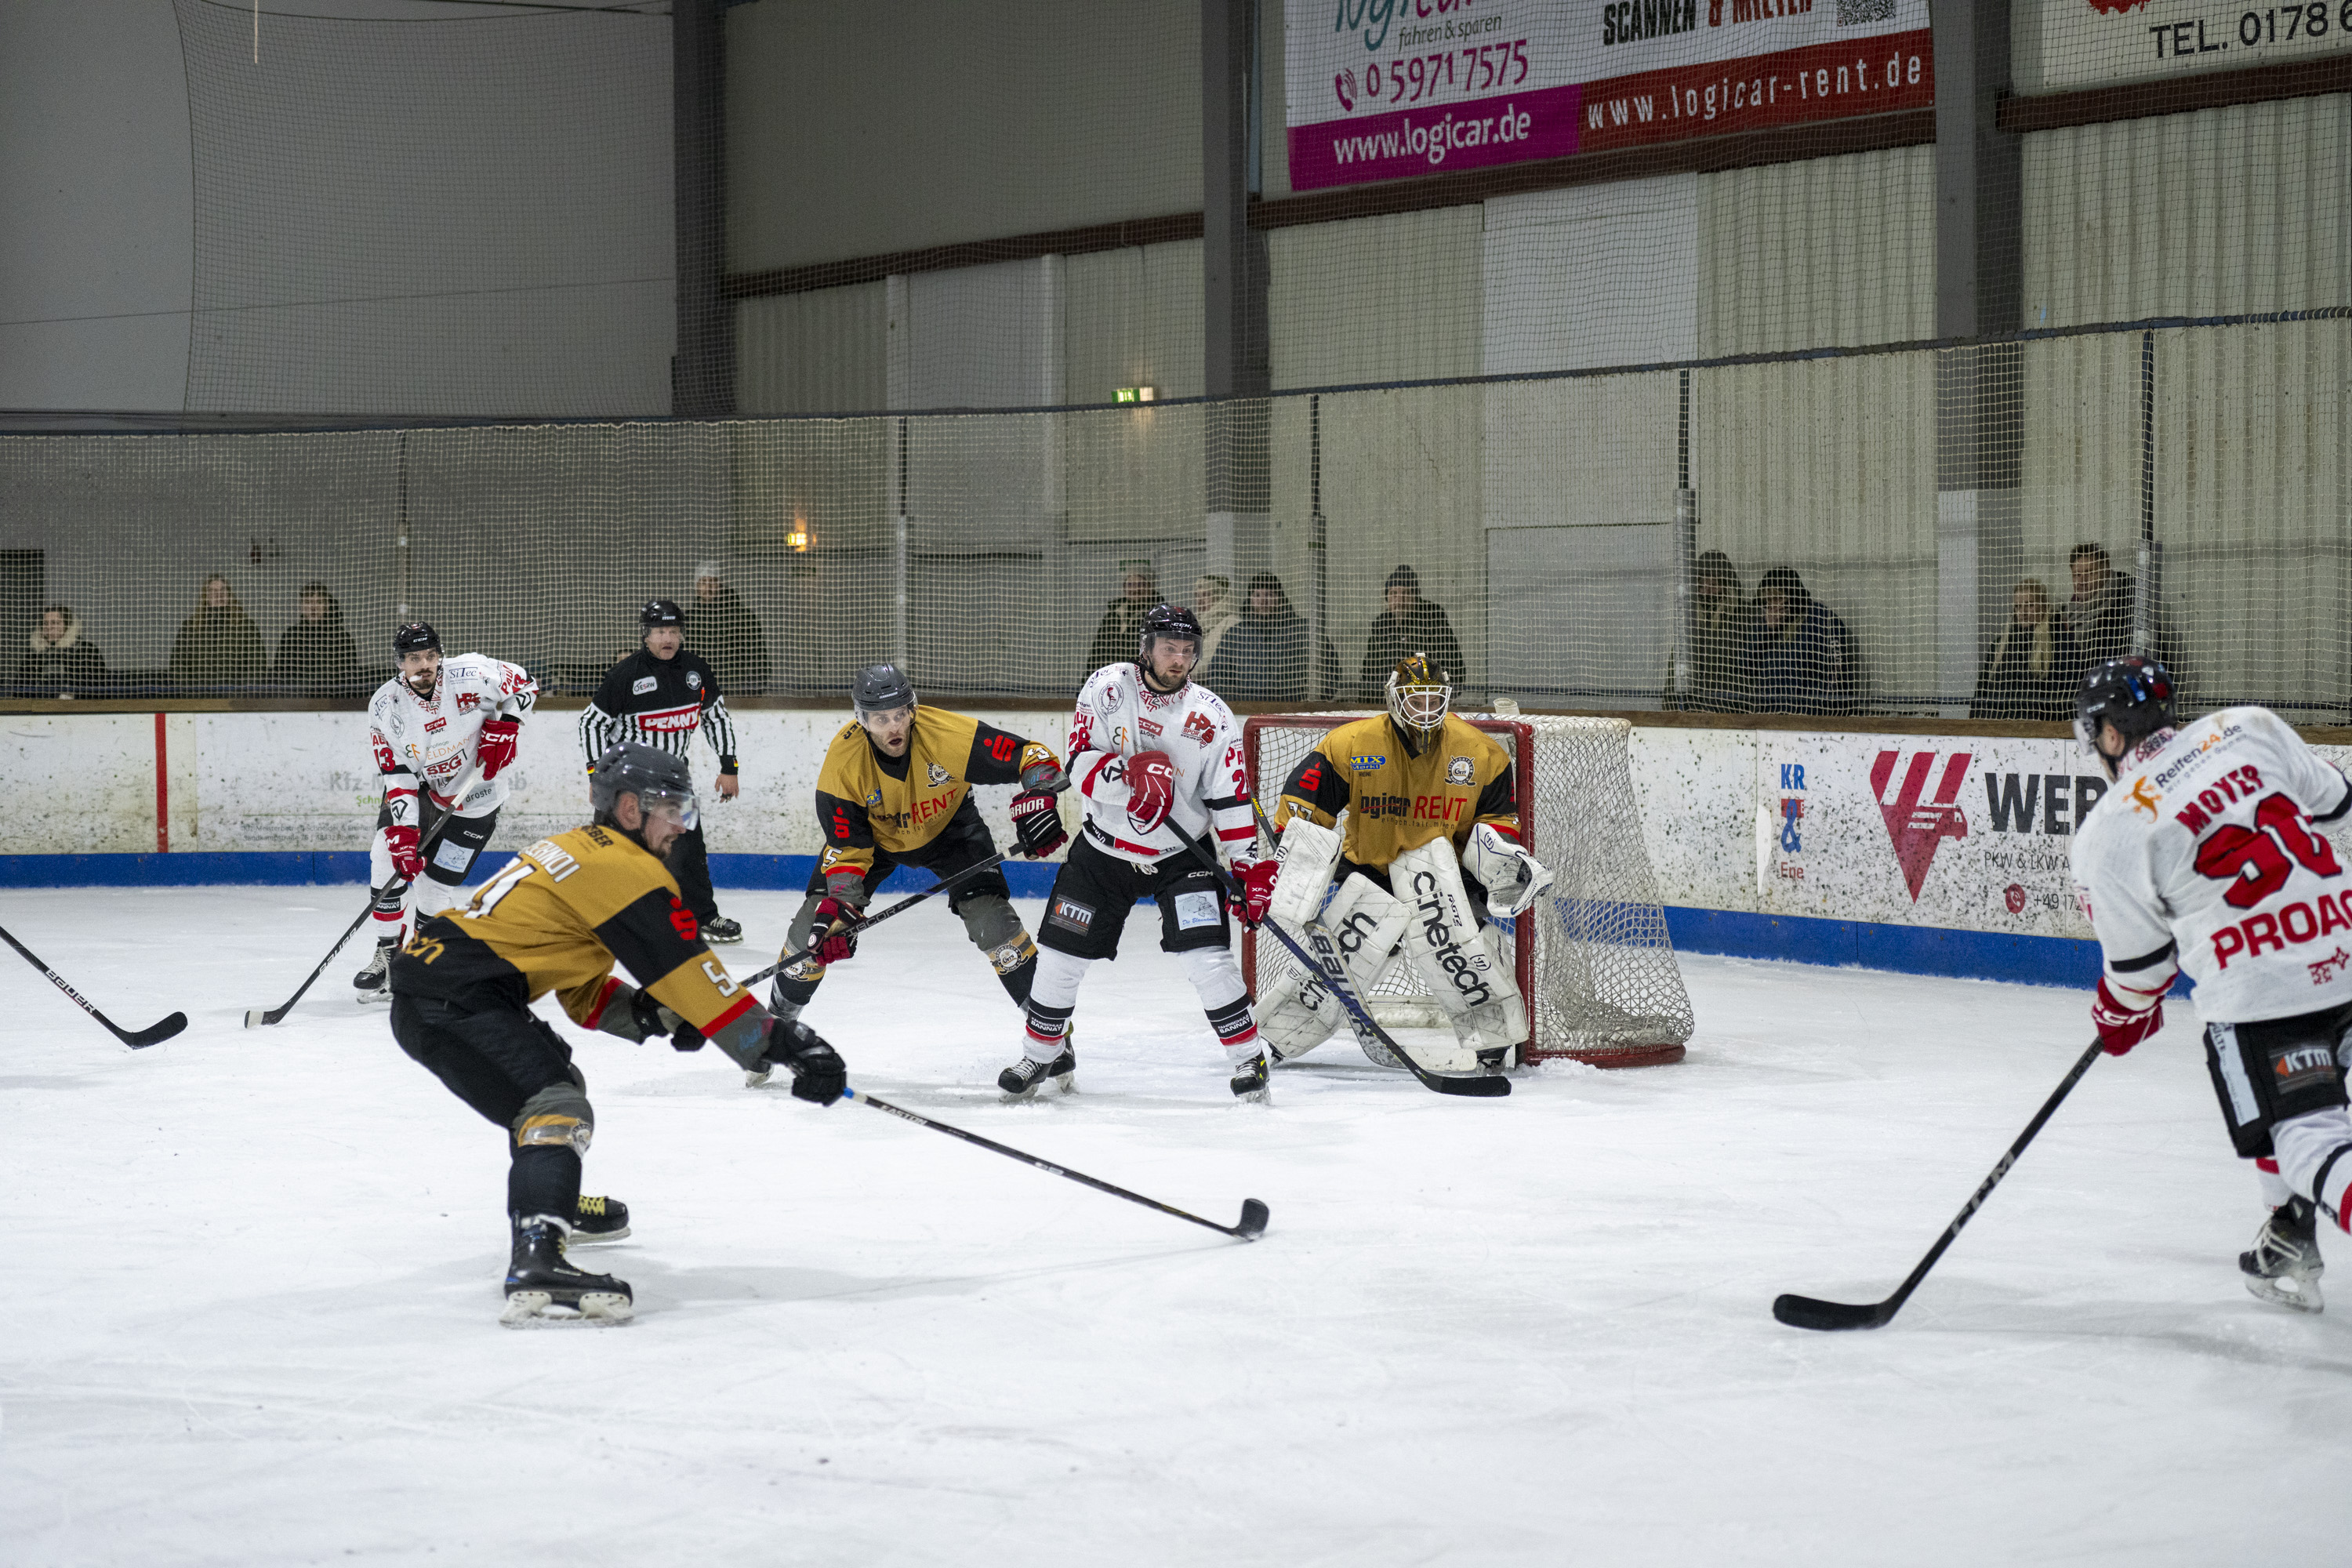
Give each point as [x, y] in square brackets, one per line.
[1022, 1080]
[374, 983]
[1252, 1083]
[599, 1220]
[2284, 1265]
[539, 1282]
[1495, 1060]
[718, 931]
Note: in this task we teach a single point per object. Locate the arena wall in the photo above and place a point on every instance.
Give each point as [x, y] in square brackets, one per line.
[1928, 853]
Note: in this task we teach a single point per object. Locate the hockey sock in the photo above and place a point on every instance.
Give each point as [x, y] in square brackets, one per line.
[1053, 995]
[1236, 1028]
[1217, 980]
[2275, 1192]
[544, 1179]
[1018, 980]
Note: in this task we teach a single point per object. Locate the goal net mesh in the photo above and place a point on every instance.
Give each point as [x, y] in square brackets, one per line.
[1595, 962]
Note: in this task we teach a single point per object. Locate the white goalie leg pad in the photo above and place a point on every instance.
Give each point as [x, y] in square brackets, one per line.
[1306, 853]
[1513, 1005]
[1514, 879]
[1298, 1011]
[1450, 954]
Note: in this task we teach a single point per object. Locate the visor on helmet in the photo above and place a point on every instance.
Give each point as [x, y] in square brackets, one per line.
[674, 806]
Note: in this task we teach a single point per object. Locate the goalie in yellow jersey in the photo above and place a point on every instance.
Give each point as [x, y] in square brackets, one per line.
[555, 920]
[1432, 844]
[895, 789]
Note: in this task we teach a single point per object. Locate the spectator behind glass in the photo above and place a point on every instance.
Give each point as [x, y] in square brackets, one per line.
[315, 656]
[1213, 602]
[1722, 625]
[2099, 615]
[724, 631]
[217, 646]
[1801, 659]
[61, 661]
[2030, 670]
[1264, 657]
[1122, 621]
[1410, 623]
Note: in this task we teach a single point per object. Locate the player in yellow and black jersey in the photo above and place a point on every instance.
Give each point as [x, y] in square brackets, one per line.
[556, 919]
[895, 790]
[1431, 842]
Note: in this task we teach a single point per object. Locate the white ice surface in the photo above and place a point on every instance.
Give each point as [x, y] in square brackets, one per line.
[248, 1301]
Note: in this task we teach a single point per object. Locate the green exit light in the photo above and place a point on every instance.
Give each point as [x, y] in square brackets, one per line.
[1137, 395]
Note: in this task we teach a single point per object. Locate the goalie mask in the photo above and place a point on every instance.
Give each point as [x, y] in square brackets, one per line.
[1419, 696]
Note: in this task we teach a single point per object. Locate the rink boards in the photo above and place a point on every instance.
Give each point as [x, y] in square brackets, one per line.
[1923, 853]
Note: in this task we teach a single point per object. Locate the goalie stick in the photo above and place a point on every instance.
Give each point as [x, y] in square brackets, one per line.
[1335, 977]
[1805, 1312]
[255, 1016]
[1253, 1213]
[140, 1040]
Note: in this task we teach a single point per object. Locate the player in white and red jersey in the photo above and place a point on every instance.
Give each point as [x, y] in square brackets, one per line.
[2205, 858]
[429, 725]
[1150, 749]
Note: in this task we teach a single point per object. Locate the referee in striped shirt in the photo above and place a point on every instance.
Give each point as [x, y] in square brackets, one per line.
[659, 696]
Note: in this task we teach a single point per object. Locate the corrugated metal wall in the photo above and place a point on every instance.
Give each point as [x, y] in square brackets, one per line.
[2224, 212]
[1830, 251]
[1380, 298]
[826, 351]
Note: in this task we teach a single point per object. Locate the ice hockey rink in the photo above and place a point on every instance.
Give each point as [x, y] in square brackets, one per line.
[252, 1288]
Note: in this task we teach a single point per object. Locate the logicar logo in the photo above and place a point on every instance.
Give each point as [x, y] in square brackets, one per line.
[1919, 818]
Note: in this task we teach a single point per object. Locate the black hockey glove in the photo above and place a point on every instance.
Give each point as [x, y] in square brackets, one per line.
[819, 1075]
[687, 1038]
[1038, 823]
[651, 1017]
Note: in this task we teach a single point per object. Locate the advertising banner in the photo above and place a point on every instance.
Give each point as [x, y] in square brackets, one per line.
[2068, 44]
[1381, 89]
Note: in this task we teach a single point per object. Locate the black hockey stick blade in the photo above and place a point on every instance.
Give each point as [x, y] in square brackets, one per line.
[162, 1029]
[1253, 1213]
[255, 1016]
[1804, 1312]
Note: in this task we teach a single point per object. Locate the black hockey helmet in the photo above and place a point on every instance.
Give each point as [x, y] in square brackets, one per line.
[650, 774]
[880, 688]
[661, 613]
[2133, 693]
[414, 636]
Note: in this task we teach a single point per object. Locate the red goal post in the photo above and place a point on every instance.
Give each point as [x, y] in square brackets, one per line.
[1592, 958]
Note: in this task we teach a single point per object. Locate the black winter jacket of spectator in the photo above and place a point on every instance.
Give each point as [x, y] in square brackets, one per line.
[1264, 659]
[1421, 630]
[1807, 667]
[318, 657]
[2007, 687]
[70, 665]
[218, 646]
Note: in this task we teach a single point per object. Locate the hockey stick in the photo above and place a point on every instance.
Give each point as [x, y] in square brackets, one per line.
[908, 902]
[901, 907]
[255, 1016]
[1334, 976]
[149, 1036]
[1804, 1312]
[1253, 1213]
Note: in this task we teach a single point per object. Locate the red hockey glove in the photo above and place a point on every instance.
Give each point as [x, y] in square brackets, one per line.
[2120, 1028]
[1256, 879]
[400, 840]
[495, 749]
[828, 945]
[1038, 823]
[1150, 789]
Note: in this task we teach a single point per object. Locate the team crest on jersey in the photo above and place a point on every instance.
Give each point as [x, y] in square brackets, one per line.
[694, 680]
[873, 798]
[1458, 770]
[468, 701]
[644, 683]
[1369, 762]
[1198, 730]
[939, 775]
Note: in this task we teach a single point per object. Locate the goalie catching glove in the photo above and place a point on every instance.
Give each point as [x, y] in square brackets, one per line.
[1514, 879]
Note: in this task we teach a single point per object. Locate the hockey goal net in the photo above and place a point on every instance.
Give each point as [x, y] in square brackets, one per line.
[1593, 958]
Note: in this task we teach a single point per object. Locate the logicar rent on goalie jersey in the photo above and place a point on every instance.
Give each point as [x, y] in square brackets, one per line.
[1428, 798]
[2206, 858]
[556, 919]
[1148, 749]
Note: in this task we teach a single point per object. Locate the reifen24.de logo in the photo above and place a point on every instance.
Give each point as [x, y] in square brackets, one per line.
[1920, 802]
